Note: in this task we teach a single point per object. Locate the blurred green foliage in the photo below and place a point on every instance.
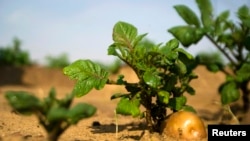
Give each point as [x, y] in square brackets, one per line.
[212, 60]
[59, 61]
[55, 115]
[232, 39]
[13, 55]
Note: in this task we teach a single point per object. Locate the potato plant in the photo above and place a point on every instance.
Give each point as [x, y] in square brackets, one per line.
[164, 72]
[231, 39]
[55, 115]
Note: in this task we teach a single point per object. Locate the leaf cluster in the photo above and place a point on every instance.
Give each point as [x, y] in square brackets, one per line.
[164, 72]
[231, 39]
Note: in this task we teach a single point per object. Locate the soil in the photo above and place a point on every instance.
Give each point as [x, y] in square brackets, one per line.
[102, 126]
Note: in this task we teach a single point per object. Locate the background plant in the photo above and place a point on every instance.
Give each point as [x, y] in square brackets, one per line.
[213, 61]
[55, 115]
[59, 61]
[164, 73]
[231, 39]
[13, 55]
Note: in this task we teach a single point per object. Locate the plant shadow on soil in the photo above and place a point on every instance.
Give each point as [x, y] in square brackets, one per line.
[98, 128]
[111, 128]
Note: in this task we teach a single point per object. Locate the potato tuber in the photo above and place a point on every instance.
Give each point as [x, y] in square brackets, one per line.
[185, 126]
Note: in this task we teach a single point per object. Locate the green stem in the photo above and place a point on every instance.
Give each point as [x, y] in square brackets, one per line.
[57, 131]
[222, 51]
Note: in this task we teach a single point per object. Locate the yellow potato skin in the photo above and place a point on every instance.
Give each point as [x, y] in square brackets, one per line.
[184, 125]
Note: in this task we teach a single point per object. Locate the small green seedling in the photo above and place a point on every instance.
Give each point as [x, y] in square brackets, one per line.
[54, 115]
[164, 73]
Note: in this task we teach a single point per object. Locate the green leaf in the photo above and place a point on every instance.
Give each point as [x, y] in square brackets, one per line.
[177, 103]
[243, 73]
[213, 67]
[57, 114]
[139, 38]
[187, 59]
[223, 16]
[246, 22]
[80, 111]
[152, 78]
[172, 44]
[124, 34]
[171, 81]
[188, 15]
[226, 39]
[243, 12]
[52, 93]
[163, 96]
[189, 108]
[206, 10]
[205, 6]
[112, 50]
[169, 50]
[221, 23]
[230, 78]
[229, 92]
[190, 90]
[48, 102]
[238, 36]
[81, 88]
[184, 52]
[182, 69]
[118, 95]
[23, 102]
[128, 106]
[88, 75]
[187, 35]
[66, 101]
[120, 80]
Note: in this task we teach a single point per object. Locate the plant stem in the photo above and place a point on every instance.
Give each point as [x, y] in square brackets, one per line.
[58, 129]
[225, 72]
[149, 121]
[229, 120]
[221, 50]
[146, 102]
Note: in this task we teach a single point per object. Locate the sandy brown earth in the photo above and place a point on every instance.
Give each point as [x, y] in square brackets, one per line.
[39, 80]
